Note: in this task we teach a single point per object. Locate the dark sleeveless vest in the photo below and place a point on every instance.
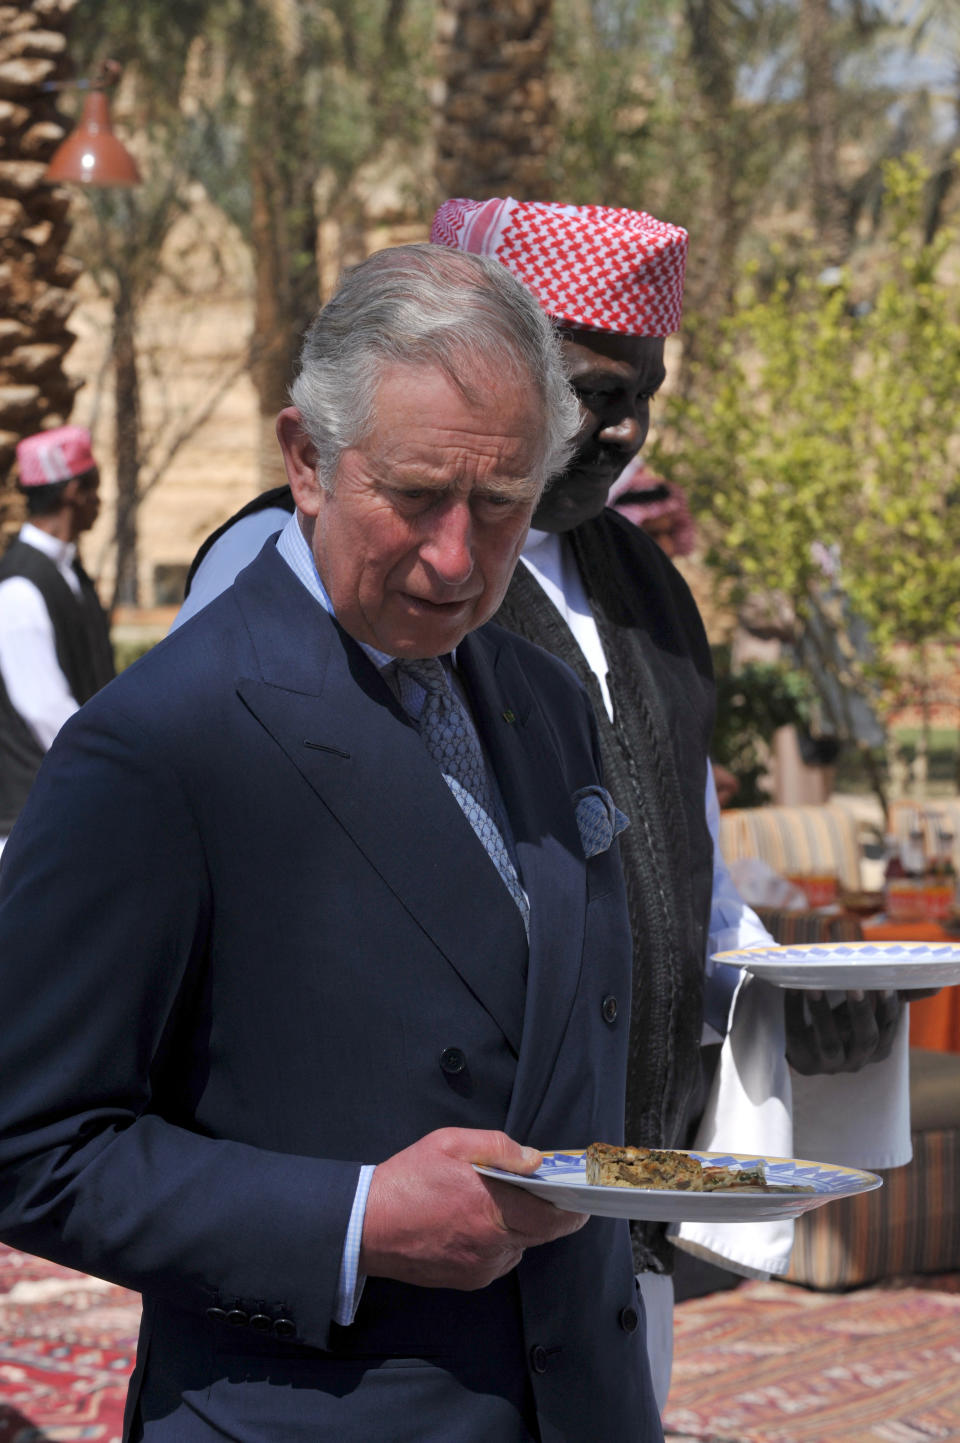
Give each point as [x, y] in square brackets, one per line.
[654, 760]
[82, 639]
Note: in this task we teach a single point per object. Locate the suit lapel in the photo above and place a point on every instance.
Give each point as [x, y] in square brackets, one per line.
[324, 703]
[549, 852]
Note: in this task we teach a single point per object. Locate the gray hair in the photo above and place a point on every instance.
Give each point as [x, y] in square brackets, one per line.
[427, 305]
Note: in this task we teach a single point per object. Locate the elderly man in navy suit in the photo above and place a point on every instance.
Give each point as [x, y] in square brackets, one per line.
[319, 904]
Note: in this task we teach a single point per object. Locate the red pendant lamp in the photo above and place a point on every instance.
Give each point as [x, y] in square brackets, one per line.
[92, 154]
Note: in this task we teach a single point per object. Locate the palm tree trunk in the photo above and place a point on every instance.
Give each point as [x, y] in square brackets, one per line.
[284, 234]
[820, 103]
[127, 447]
[35, 275]
[494, 126]
[712, 263]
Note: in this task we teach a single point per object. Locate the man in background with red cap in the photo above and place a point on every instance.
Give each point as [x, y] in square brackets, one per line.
[54, 637]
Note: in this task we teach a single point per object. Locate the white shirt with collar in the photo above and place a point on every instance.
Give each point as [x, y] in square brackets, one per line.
[31, 673]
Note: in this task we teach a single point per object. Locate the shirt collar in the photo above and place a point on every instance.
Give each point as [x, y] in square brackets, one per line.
[295, 550]
[62, 552]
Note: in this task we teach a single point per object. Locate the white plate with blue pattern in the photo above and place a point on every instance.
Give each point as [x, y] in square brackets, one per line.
[843, 965]
[561, 1179]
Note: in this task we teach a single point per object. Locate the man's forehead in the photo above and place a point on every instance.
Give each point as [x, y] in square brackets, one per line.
[421, 461]
[427, 431]
[608, 352]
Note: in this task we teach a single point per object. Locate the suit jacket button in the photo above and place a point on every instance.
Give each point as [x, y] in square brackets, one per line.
[217, 1315]
[629, 1320]
[609, 1009]
[261, 1322]
[453, 1060]
[539, 1361]
[237, 1318]
[284, 1327]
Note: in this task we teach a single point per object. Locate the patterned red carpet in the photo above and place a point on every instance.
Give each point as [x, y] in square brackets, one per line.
[765, 1363]
[773, 1363]
[66, 1349]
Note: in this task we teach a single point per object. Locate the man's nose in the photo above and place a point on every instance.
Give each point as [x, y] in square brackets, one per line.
[448, 550]
[627, 433]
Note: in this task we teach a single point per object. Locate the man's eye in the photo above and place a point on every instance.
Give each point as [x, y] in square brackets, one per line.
[593, 400]
[497, 501]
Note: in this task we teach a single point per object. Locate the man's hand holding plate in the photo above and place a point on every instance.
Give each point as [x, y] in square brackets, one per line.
[432, 1220]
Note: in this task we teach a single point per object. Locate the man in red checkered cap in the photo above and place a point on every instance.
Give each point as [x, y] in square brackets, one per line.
[598, 592]
[54, 638]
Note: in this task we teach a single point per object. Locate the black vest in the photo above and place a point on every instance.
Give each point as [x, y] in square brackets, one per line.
[82, 638]
[654, 761]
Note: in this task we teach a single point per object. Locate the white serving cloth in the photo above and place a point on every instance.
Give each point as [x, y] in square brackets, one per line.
[759, 1105]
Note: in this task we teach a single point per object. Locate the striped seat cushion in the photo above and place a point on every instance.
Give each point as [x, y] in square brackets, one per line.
[912, 1224]
[796, 840]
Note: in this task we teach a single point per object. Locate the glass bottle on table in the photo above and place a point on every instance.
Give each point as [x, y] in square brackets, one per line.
[942, 891]
[904, 879]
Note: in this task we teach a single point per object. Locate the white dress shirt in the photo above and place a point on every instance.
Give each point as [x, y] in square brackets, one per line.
[228, 555]
[31, 672]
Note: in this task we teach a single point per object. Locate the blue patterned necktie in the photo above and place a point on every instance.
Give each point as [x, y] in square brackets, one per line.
[450, 740]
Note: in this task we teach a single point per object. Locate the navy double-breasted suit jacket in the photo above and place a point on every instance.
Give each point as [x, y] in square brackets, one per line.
[243, 923]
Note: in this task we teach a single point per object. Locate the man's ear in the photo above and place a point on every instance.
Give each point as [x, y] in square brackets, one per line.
[299, 460]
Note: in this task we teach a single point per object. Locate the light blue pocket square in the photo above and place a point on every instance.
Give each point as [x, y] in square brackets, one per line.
[598, 819]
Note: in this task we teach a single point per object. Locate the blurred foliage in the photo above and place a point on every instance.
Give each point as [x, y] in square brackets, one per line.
[127, 651]
[360, 79]
[819, 446]
[751, 704]
[822, 413]
[695, 110]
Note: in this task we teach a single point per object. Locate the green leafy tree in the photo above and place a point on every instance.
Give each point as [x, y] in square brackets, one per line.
[752, 703]
[743, 122]
[819, 447]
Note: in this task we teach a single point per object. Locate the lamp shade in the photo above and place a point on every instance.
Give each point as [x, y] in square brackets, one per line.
[92, 154]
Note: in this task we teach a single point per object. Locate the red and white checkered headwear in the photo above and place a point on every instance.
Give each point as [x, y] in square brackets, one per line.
[56, 455]
[588, 265]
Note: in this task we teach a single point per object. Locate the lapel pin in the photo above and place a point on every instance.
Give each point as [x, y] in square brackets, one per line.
[508, 716]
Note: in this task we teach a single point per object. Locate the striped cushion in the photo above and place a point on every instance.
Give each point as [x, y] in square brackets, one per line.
[910, 1225]
[796, 840]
